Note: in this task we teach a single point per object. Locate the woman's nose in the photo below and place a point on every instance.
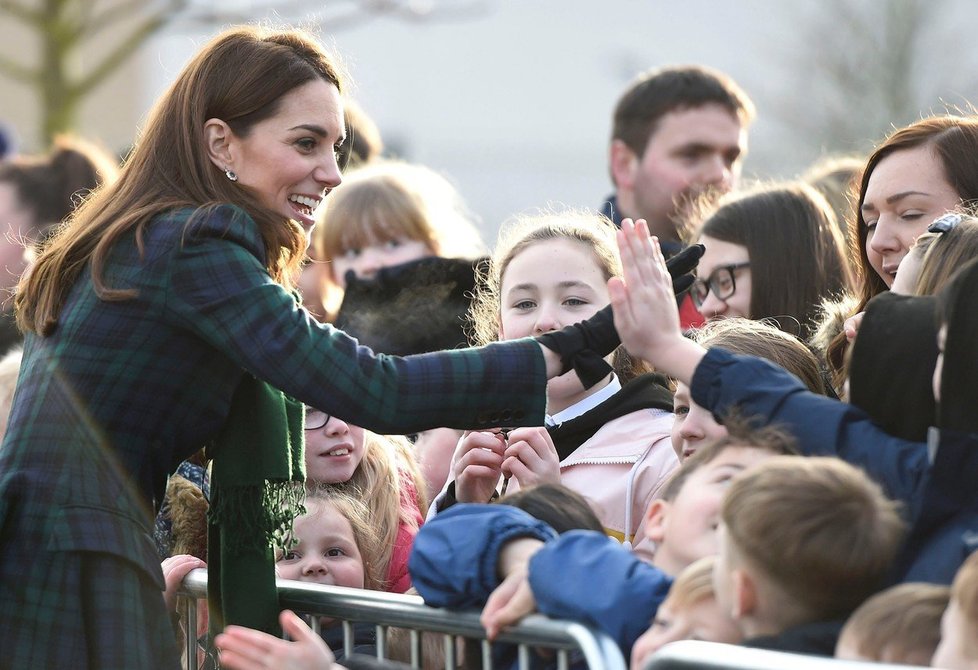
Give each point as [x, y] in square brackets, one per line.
[883, 239]
[712, 306]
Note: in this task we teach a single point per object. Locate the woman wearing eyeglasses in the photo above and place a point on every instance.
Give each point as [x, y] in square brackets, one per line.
[771, 253]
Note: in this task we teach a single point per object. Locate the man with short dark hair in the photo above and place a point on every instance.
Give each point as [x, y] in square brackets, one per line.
[678, 131]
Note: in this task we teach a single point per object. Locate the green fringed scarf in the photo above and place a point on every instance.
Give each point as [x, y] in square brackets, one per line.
[257, 490]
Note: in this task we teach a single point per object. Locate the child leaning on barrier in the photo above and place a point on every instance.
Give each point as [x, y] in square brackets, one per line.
[689, 612]
[336, 546]
[473, 551]
[246, 649]
[803, 541]
[899, 625]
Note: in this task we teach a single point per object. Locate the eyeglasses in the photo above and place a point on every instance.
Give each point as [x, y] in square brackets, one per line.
[315, 418]
[945, 224]
[721, 282]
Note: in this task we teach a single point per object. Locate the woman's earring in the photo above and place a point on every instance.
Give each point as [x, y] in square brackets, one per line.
[230, 175]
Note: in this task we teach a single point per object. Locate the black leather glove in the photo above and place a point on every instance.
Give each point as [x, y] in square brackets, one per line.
[682, 265]
[583, 346]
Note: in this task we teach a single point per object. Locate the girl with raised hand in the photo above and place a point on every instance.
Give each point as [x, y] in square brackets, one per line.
[693, 425]
[609, 442]
[162, 319]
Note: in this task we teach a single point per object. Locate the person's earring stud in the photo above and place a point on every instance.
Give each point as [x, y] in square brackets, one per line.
[230, 174]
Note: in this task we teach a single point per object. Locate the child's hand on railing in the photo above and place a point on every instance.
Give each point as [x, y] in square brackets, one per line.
[175, 569]
[247, 649]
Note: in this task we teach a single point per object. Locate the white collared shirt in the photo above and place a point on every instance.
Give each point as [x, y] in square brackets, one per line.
[586, 404]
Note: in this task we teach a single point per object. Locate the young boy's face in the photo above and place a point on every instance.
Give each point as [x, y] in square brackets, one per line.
[953, 652]
[689, 526]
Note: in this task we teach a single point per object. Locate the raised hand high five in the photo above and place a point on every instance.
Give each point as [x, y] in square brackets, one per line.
[644, 306]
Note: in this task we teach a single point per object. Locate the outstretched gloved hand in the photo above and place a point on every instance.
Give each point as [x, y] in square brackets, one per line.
[582, 346]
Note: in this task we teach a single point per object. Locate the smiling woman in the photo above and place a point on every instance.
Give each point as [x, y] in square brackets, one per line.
[289, 158]
[161, 320]
[914, 176]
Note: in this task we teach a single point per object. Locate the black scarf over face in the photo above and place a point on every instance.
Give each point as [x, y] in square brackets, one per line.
[644, 392]
[959, 378]
[892, 364]
[412, 308]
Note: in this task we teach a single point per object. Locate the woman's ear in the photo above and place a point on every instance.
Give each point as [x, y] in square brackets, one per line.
[218, 138]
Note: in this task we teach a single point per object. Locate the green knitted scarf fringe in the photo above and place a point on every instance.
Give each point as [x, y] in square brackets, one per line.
[268, 523]
[257, 491]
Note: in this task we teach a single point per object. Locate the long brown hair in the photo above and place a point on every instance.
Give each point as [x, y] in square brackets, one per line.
[795, 250]
[240, 78]
[955, 142]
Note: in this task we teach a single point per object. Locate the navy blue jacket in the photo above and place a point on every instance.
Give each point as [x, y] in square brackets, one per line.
[935, 484]
[581, 575]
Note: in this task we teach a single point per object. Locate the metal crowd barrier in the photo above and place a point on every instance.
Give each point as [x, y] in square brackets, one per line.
[693, 655]
[388, 610]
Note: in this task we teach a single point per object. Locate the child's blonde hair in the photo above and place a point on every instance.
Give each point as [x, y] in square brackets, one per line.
[693, 584]
[759, 338]
[390, 200]
[942, 254]
[740, 435]
[364, 534]
[388, 466]
[899, 625]
[817, 530]
[964, 593]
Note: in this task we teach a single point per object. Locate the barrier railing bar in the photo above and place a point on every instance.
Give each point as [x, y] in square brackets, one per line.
[404, 611]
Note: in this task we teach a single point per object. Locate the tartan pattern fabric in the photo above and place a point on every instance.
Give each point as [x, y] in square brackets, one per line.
[121, 392]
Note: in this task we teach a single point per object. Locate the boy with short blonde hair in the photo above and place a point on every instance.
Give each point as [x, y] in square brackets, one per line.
[958, 649]
[899, 625]
[803, 541]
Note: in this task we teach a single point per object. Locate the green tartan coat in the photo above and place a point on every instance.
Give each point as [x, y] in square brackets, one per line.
[111, 402]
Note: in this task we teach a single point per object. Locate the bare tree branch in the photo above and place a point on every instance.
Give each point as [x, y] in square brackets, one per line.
[18, 72]
[109, 17]
[333, 17]
[22, 13]
[118, 55]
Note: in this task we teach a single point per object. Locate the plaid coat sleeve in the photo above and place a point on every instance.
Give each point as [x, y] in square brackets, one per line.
[121, 391]
[218, 287]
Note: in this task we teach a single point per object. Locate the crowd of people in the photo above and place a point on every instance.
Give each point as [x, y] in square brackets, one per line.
[706, 409]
